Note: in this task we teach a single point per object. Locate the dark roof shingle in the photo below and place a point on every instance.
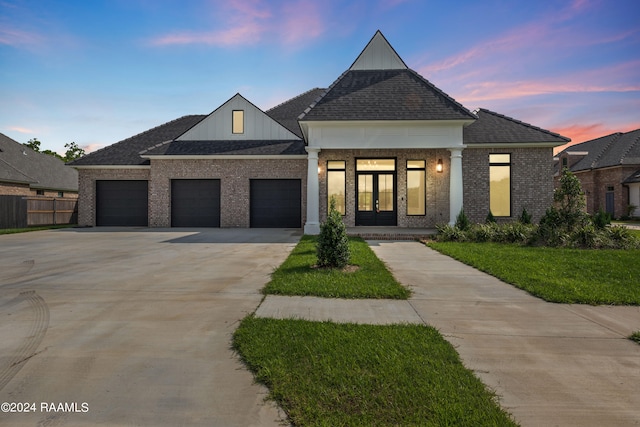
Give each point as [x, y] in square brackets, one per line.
[493, 128]
[385, 95]
[287, 113]
[607, 151]
[21, 164]
[236, 147]
[127, 151]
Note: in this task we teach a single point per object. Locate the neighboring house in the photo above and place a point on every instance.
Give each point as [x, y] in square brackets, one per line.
[392, 149]
[24, 172]
[609, 170]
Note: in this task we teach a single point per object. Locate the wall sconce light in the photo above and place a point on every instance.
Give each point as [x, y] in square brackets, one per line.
[439, 166]
[319, 170]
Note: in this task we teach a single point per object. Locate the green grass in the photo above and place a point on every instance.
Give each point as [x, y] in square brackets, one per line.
[557, 275]
[296, 276]
[635, 337]
[25, 230]
[327, 374]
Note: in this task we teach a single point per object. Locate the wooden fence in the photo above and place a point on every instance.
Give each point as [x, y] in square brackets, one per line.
[29, 211]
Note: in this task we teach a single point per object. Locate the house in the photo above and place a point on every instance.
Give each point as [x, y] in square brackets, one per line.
[24, 172]
[609, 171]
[389, 146]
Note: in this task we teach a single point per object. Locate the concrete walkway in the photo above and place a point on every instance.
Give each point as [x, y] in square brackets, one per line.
[550, 364]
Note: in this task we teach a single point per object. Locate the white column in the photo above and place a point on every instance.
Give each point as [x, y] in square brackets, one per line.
[455, 184]
[312, 226]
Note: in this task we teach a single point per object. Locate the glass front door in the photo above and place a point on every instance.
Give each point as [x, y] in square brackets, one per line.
[376, 192]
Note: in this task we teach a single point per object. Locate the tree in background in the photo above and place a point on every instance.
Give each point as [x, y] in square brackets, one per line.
[73, 150]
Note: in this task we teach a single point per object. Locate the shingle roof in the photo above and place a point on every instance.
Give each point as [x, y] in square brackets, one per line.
[385, 95]
[607, 151]
[127, 151]
[494, 128]
[21, 164]
[287, 113]
[634, 177]
[236, 147]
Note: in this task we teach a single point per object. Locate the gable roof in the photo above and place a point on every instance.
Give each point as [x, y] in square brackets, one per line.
[379, 86]
[287, 113]
[20, 164]
[257, 124]
[494, 128]
[365, 95]
[378, 54]
[127, 151]
[611, 150]
[634, 177]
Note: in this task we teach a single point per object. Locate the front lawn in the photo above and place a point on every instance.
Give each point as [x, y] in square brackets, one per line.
[554, 274]
[327, 374]
[299, 276]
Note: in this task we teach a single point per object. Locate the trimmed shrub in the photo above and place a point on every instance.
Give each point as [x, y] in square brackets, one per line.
[332, 247]
[601, 219]
[490, 219]
[462, 222]
[525, 217]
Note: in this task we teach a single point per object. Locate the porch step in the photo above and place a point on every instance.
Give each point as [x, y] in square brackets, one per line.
[390, 233]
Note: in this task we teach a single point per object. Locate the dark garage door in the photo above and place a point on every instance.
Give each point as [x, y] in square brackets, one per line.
[275, 203]
[195, 203]
[122, 203]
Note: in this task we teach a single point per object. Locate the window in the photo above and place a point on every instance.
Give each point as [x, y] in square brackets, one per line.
[564, 162]
[39, 192]
[336, 184]
[237, 119]
[60, 193]
[500, 184]
[416, 187]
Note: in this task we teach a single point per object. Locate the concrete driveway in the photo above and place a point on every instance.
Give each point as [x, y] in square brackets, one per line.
[132, 326]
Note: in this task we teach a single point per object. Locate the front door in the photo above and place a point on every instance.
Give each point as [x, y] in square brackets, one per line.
[376, 193]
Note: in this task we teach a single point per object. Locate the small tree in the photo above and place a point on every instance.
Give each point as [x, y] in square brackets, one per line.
[490, 218]
[570, 201]
[333, 244]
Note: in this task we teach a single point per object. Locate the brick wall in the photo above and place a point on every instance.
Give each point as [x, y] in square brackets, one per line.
[531, 181]
[11, 189]
[234, 175]
[437, 197]
[87, 189]
[595, 182]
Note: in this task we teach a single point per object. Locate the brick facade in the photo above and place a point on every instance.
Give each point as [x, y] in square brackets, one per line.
[234, 176]
[596, 182]
[11, 189]
[87, 188]
[531, 181]
[437, 187]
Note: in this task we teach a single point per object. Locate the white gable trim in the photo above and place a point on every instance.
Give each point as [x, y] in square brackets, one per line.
[257, 125]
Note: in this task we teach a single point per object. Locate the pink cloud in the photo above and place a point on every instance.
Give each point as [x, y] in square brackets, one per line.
[20, 129]
[252, 21]
[89, 148]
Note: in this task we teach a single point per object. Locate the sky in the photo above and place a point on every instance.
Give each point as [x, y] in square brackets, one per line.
[97, 72]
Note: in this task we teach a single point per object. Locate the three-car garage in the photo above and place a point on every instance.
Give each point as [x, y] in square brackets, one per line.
[273, 203]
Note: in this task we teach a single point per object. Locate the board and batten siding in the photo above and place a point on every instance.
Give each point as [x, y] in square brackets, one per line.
[257, 125]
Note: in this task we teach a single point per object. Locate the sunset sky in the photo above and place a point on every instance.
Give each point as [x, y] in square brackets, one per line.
[96, 72]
